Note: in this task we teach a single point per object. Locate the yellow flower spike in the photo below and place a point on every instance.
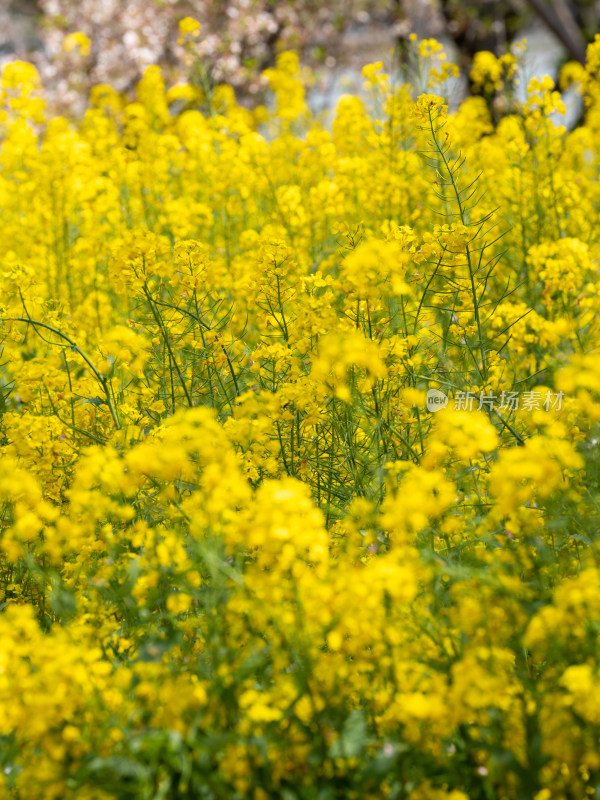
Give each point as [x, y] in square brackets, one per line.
[151, 94]
[487, 72]
[104, 96]
[428, 105]
[429, 47]
[375, 77]
[20, 75]
[534, 471]
[178, 603]
[422, 495]
[77, 41]
[467, 435]
[188, 26]
[286, 81]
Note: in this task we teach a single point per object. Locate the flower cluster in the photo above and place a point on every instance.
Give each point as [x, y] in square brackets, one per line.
[239, 557]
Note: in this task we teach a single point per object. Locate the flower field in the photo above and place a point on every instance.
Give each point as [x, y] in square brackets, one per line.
[299, 470]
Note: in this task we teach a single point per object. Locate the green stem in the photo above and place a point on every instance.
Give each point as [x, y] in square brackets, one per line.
[159, 321]
[104, 383]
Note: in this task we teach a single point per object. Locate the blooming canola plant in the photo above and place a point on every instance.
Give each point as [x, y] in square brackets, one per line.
[240, 557]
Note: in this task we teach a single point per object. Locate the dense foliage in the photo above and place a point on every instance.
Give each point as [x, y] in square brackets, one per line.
[240, 555]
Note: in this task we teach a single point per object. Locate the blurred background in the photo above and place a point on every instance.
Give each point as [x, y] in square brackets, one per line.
[241, 38]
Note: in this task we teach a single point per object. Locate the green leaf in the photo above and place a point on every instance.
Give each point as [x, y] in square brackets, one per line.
[352, 740]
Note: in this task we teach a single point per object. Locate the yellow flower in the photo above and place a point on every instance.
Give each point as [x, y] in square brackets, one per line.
[428, 106]
[189, 26]
[77, 41]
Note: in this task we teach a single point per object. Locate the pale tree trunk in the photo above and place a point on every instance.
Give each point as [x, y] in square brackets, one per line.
[559, 17]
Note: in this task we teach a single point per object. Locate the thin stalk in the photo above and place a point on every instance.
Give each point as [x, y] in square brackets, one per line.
[159, 321]
[465, 221]
[104, 382]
